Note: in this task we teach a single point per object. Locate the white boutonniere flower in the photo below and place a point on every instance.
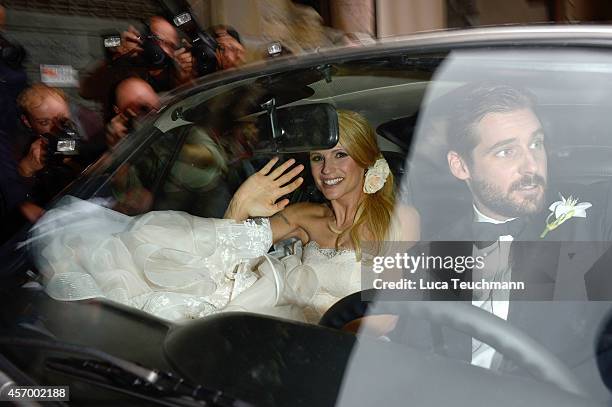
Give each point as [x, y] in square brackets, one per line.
[375, 176]
[563, 210]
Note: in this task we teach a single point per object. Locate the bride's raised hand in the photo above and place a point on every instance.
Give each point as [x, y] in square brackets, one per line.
[257, 195]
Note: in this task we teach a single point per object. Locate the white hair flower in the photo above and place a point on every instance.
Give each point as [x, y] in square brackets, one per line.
[376, 176]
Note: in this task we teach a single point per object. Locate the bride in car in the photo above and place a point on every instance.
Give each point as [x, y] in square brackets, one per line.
[178, 266]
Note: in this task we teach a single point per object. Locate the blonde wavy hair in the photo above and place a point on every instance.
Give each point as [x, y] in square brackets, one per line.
[374, 212]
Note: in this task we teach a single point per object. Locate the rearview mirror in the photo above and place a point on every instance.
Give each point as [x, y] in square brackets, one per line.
[296, 129]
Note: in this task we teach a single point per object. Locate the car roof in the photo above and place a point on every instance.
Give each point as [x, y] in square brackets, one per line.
[525, 35]
[536, 32]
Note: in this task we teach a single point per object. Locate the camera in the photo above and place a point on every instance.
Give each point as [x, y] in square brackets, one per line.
[11, 54]
[203, 45]
[203, 50]
[65, 141]
[152, 53]
[153, 56]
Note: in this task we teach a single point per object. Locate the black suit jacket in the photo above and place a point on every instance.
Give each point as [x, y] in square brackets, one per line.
[579, 246]
[561, 271]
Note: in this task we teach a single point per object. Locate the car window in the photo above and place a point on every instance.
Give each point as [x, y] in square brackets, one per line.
[132, 186]
[503, 151]
[567, 103]
[509, 153]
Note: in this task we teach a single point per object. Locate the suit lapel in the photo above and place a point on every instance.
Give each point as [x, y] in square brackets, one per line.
[455, 241]
[534, 261]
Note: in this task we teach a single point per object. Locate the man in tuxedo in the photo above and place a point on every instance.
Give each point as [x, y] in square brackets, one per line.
[497, 147]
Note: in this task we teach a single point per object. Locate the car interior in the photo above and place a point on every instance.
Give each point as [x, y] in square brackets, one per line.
[176, 164]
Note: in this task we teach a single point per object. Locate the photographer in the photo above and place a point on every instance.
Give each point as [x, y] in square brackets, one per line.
[134, 98]
[57, 144]
[153, 55]
[168, 70]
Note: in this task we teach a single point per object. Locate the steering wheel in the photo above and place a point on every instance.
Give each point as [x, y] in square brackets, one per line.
[471, 320]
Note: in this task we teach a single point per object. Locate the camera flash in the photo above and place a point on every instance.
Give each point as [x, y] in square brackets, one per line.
[66, 146]
[275, 48]
[182, 19]
[111, 42]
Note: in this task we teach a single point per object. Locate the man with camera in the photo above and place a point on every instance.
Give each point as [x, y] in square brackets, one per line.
[134, 98]
[154, 55]
[42, 107]
[171, 67]
[57, 144]
[158, 50]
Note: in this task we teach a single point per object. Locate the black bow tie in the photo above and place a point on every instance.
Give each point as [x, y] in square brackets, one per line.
[486, 233]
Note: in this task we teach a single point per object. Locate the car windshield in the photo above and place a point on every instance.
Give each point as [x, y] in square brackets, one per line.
[501, 289]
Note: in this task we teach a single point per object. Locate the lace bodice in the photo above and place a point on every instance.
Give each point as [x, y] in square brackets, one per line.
[339, 275]
[336, 269]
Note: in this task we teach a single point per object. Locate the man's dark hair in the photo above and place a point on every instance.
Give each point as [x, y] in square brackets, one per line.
[473, 102]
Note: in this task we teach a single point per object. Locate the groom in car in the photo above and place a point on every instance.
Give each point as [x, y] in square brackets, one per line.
[554, 240]
[498, 149]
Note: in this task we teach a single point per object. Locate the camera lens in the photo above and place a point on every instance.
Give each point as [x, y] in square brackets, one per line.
[153, 53]
[204, 47]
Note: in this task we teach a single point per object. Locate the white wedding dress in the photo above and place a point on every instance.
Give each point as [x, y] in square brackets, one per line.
[178, 266]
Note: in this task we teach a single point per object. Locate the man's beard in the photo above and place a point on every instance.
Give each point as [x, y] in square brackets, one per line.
[502, 203]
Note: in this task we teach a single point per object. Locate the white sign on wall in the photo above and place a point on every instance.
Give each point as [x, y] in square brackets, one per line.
[59, 75]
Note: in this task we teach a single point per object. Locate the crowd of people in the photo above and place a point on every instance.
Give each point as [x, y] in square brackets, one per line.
[126, 85]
